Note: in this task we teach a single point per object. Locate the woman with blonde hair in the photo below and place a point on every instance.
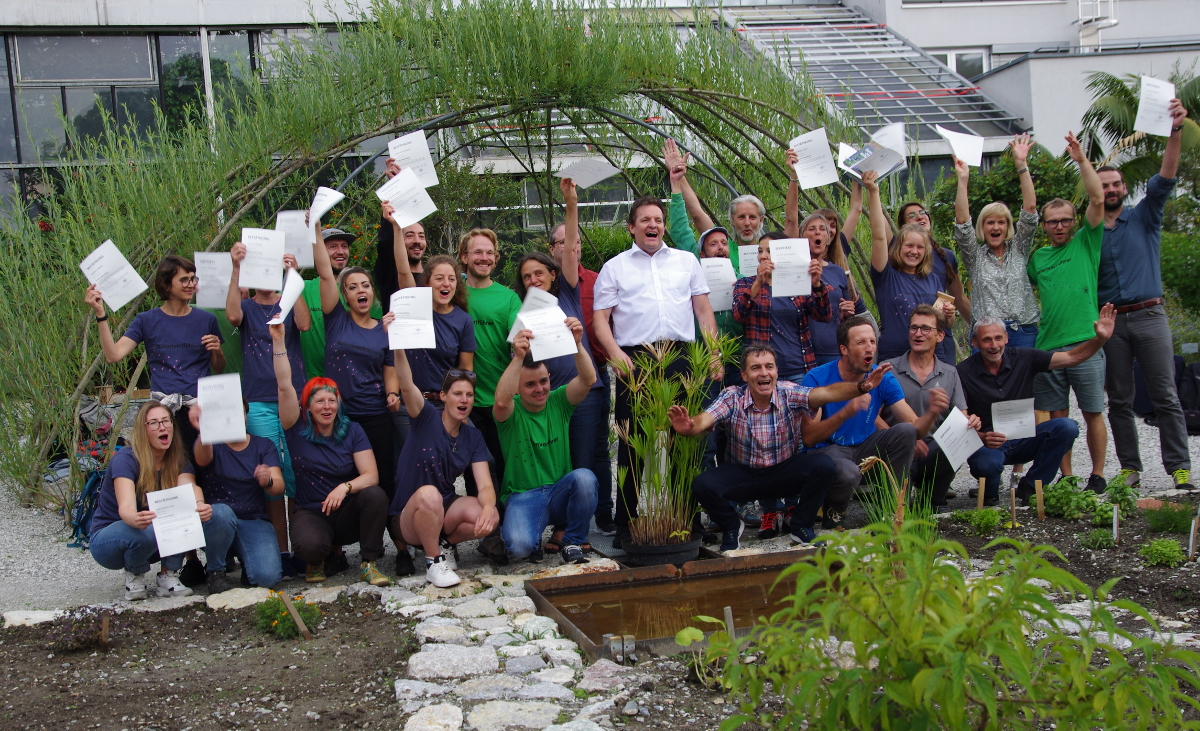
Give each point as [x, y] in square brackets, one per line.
[996, 252]
[122, 530]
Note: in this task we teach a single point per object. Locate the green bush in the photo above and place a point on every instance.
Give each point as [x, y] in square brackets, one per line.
[1098, 538]
[1163, 552]
[980, 522]
[1170, 518]
[1122, 495]
[884, 632]
[272, 616]
[1180, 262]
[1066, 500]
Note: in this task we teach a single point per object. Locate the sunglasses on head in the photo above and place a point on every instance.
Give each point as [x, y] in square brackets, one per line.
[455, 374]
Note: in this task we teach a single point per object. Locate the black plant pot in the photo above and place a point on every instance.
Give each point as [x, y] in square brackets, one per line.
[672, 553]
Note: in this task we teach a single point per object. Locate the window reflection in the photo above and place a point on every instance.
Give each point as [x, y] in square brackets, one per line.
[182, 78]
[86, 107]
[135, 106]
[83, 58]
[42, 133]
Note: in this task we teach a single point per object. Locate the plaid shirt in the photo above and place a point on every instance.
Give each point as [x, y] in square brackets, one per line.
[761, 438]
[755, 315]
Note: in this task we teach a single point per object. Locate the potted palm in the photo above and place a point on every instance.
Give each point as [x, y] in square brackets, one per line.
[665, 463]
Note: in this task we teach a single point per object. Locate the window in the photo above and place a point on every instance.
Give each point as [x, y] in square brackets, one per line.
[42, 134]
[603, 204]
[8, 127]
[967, 62]
[182, 77]
[271, 42]
[83, 58]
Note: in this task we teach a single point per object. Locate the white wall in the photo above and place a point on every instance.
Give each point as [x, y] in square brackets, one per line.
[118, 13]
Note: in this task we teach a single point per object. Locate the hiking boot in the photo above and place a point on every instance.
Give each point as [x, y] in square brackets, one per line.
[832, 520]
[217, 582]
[732, 538]
[135, 586]
[990, 502]
[492, 548]
[699, 531]
[404, 564]
[803, 536]
[1097, 484]
[335, 563]
[573, 554]
[441, 575]
[1131, 478]
[193, 573]
[771, 525]
[369, 573]
[1182, 480]
[1025, 491]
[314, 573]
[168, 584]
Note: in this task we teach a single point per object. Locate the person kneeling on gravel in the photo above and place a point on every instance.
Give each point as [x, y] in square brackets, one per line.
[242, 475]
[122, 533]
[534, 422]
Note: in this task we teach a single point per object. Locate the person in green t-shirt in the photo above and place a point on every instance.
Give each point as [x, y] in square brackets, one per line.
[312, 341]
[1065, 274]
[493, 308]
[539, 485]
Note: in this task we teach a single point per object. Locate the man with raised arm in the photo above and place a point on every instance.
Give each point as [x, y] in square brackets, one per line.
[999, 373]
[540, 488]
[1131, 279]
[764, 458]
[398, 251]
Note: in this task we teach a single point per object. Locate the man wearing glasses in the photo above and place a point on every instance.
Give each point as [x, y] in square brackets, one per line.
[1064, 274]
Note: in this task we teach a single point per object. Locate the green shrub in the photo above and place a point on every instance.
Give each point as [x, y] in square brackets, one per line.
[1163, 552]
[1064, 499]
[980, 522]
[1098, 538]
[272, 616]
[883, 632]
[1180, 262]
[1170, 518]
[1122, 495]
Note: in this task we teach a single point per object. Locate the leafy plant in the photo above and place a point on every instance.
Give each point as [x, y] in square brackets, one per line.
[1123, 496]
[271, 615]
[1170, 518]
[980, 522]
[884, 632]
[1163, 552]
[1097, 538]
[1066, 500]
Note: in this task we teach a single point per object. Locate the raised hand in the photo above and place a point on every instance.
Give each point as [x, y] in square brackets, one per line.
[92, 298]
[961, 169]
[1020, 145]
[570, 195]
[237, 253]
[391, 168]
[387, 319]
[870, 181]
[815, 269]
[1178, 112]
[792, 158]
[846, 308]
[765, 267]
[289, 262]
[576, 328]
[876, 376]
[1108, 321]
[388, 211]
[1074, 149]
[675, 161]
[521, 341]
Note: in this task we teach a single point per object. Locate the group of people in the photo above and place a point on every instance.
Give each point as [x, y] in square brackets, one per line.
[350, 439]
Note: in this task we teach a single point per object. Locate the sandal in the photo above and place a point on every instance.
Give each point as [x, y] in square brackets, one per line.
[554, 543]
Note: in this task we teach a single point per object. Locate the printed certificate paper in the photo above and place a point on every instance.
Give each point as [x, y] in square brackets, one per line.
[1014, 419]
[411, 152]
[791, 277]
[551, 336]
[215, 269]
[113, 275]
[177, 526]
[1152, 115]
[718, 272]
[298, 238]
[222, 419]
[535, 299]
[815, 165]
[408, 198]
[263, 266]
[413, 327]
[587, 173]
[748, 259]
[956, 438]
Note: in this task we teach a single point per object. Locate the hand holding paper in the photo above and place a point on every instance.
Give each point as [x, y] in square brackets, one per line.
[411, 152]
[322, 203]
[263, 266]
[222, 417]
[117, 280]
[968, 148]
[551, 336]
[177, 525]
[814, 165]
[747, 259]
[410, 202]
[957, 439]
[412, 327]
[214, 269]
[1014, 419]
[535, 299]
[1154, 107]
[791, 277]
[588, 172]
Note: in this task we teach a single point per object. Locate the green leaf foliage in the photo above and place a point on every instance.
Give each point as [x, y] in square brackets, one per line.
[1170, 518]
[980, 522]
[1065, 499]
[884, 632]
[1163, 552]
[270, 615]
[1097, 538]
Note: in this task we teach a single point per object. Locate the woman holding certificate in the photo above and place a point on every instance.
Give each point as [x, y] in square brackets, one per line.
[123, 529]
[338, 498]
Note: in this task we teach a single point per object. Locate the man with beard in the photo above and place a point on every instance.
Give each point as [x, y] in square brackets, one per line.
[1131, 278]
[386, 278]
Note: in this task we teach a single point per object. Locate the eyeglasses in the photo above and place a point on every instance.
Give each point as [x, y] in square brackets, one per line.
[923, 329]
[160, 424]
[454, 374]
[1058, 223]
[189, 280]
[915, 214]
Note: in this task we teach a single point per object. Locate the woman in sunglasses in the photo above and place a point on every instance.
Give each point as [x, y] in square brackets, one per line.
[442, 444]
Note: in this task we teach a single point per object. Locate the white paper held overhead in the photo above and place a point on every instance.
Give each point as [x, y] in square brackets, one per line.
[323, 202]
[298, 237]
[214, 269]
[408, 197]
[1153, 114]
[791, 258]
[718, 272]
[411, 152]
[412, 328]
[222, 418]
[551, 336]
[113, 275]
[177, 526]
[263, 266]
[815, 165]
[588, 172]
[968, 148]
[293, 287]
[748, 259]
[535, 299]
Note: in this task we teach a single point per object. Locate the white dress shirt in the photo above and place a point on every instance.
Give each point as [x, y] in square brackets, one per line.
[650, 296]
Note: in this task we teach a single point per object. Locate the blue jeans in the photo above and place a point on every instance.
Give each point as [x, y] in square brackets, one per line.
[570, 501]
[119, 545]
[256, 546]
[1054, 438]
[262, 420]
[589, 444]
[1019, 336]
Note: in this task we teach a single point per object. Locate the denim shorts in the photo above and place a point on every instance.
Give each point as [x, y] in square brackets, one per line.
[1052, 389]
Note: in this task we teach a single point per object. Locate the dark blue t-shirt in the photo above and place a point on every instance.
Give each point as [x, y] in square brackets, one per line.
[354, 359]
[785, 336]
[122, 464]
[824, 334]
[176, 357]
[230, 478]
[857, 428]
[898, 294]
[320, 467]
[454, 333]
[258, 367]
[431, 457]
[562, 369]
[946, 350]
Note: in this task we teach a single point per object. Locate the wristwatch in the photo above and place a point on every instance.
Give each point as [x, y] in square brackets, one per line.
[863, 386]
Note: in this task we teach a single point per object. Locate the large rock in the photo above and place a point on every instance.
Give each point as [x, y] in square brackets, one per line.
[502, 580]
[453, 661]
[504, 638]
[237, 598]
[561, 675]
[546, 691]
[559, 658]
[489, 687]
[522, 665]
[515, 604]
[599, 566]
[475, 608]
[166, 603]
[555, 644]
[444, 634]
[497, 715]
[407, 690]
[322, 594]
[28, 619]
[362, 588]
[489, 623]
[539, 628]
[466, 588]
[424, 610]
[440, 717]
[518, 651]
[604, 675]
[396, 594]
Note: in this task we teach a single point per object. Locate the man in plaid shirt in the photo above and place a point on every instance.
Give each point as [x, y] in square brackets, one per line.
[765, 460]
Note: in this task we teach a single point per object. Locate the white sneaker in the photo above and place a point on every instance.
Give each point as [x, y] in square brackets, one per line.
[135, 586]
[169, 585]
[449, 554]
[441, 575]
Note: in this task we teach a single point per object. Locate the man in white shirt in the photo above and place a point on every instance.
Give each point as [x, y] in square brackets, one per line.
[648, 294]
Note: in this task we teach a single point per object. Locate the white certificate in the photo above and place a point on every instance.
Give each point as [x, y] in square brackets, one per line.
[1014, 419]
[718, 272]
[891, 136]
[113, 275]
[298, 237]
[535, 299]
[215, 269]
[874, 156]
[408, 198]
[587, 173]
[293, 287]
[177, 526]
[323, 202]
[551, 336]
[1153, 116]
[815, 165]
[791, 277]
[968, 148]
[956, 438]
[413, 327]
[411, 152]
[748, 259]
[222, 418]
[263, 266]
